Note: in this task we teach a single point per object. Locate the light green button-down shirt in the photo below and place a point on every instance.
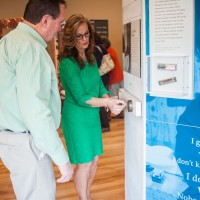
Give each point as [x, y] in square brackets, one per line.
[29, 97]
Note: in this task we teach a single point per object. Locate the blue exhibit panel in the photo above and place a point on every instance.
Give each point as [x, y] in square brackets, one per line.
[172, 161]
[173, 137]
[164, 179]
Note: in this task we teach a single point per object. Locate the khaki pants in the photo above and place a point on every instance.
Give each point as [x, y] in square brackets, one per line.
[32, 177]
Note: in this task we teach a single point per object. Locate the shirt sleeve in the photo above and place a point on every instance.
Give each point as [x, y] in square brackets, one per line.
[34, 71]
[70, 76]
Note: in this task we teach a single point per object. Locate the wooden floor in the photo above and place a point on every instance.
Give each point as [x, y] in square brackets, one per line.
[109, 180]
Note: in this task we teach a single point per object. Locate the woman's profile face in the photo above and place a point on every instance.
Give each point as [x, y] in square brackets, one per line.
[82, 37]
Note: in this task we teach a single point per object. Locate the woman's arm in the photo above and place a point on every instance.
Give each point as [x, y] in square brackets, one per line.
[115, 105]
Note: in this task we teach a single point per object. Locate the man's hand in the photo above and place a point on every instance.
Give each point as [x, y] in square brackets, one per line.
[66, 172]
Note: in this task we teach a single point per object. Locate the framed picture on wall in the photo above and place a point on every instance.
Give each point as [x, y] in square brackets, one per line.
[100, 27]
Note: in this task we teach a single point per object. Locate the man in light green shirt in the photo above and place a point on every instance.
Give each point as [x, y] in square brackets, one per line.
[30, 104]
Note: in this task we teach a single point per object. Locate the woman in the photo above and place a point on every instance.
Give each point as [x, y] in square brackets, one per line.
[85, 93]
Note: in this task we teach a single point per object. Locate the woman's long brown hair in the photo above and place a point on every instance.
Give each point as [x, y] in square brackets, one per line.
[69, 39]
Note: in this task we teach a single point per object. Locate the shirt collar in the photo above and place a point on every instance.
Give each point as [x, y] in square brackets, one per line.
[24, 27]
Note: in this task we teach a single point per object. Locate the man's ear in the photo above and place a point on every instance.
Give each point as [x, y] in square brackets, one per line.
[45, 21]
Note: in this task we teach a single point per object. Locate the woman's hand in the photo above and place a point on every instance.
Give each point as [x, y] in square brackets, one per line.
[116, 105]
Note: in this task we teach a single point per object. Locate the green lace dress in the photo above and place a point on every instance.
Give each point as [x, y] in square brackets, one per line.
[81, 122]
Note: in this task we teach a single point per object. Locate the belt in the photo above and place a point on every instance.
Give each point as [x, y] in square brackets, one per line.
[14, 131]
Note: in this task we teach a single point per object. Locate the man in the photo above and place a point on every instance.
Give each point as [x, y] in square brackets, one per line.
[30, 104]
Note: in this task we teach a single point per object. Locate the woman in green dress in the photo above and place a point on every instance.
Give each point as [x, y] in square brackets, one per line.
[85, 93]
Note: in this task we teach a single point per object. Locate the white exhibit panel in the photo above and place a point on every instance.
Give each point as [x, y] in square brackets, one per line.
[131, 9]
[133, 85]
[171, 38]
[134, 148]
[134, 94]
[134, 158]
[168, 76]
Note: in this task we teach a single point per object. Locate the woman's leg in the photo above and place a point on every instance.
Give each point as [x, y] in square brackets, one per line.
[81, 178]
[92, 173]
